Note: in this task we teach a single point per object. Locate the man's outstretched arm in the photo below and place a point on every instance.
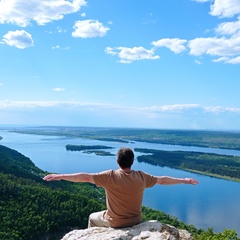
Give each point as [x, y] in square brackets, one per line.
[74, 177]
[165, 180]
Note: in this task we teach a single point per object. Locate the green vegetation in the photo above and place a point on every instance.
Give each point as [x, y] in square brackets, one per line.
[90, 149]
[100, 153]
[84, 147]
[31, 208]
[222, 166]
[209, 139]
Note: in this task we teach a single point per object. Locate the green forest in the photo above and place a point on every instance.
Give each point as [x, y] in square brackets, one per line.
[32, 209]
[96, 149]
[200, 138]
[222, 166]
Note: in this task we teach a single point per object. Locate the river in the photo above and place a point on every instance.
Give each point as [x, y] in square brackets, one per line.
[213, 203]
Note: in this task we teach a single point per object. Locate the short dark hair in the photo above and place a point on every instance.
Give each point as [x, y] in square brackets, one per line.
[125, 157]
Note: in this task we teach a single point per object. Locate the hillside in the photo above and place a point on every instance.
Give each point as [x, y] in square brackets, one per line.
[33, 209]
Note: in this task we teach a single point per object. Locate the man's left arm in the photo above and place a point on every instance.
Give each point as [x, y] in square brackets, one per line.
[165, 180]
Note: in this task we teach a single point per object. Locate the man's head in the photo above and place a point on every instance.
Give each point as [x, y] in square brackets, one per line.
[125, 157]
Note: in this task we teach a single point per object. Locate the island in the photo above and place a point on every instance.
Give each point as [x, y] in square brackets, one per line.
[97, 149]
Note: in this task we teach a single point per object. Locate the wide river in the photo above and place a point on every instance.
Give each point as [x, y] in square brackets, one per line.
[213, 203]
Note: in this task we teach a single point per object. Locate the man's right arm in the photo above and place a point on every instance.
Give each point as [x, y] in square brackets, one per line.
[74, 177]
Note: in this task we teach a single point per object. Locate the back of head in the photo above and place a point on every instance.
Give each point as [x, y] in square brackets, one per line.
[125, 157]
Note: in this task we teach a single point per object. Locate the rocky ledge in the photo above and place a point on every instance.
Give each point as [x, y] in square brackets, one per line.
[149, 230]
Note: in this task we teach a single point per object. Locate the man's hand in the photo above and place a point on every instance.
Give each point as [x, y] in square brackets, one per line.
[190, 181]
[51, 177]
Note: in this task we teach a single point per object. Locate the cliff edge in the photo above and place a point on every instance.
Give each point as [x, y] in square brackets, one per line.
[149, 230]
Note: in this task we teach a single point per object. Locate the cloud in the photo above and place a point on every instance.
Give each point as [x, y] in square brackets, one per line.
[89, 29]
[127, 55]
[19, 39]
[186, 116]
[61, 30]
[22, 12]
[58, 89]
[62, 48]
[225, 8]
[177, 108]
[235, 60]
[198, 62]
[202, 1]
[221, 47]
[175, 45]
[229, 28]
[224, 46]
[219, 109]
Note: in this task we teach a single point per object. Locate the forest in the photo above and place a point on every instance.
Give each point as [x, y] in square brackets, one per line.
[96, 149]
[198, 138]
[222, 166]
[32, 209]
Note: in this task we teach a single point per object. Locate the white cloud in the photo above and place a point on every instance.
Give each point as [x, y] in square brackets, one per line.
[226, 45]
[173, 108]
[89, 29]
[198, 62]
[222, 47]
[110, 51]
[221, 59]
[235, 60]
[56, 47]
[219, 109]
[175, 45]
[61, 30]
[22, 12]
[23, 105]
[202, 1]
[58, 89]
[101, 114]
[177, 108]
[19, 39]
[127, 55]
[229, 28]
[225, 8]
[62, 48]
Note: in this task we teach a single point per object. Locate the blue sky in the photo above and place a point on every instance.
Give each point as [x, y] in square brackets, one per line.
[149, 64]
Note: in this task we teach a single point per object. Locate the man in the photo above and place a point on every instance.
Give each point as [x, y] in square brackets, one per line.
[124, 190]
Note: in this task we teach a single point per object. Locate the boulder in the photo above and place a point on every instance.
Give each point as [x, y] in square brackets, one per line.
[149, 230]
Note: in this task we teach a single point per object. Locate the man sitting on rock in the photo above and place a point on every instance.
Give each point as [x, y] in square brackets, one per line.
[124, 190]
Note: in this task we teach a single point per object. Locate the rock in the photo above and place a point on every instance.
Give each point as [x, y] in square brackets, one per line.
[149, 230]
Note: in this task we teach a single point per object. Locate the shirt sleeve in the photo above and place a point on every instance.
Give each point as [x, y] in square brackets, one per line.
[101, 178]
[149, 179]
